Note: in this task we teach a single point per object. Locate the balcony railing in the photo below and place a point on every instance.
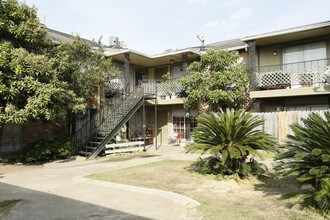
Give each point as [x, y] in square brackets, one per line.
[292, 75]
[170, 88]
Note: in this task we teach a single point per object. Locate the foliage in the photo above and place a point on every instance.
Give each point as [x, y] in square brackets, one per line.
[230, 137]
[40, 79]
[20, 25]
[45, 151]
[30, 88]
[82, 68]
[215, 81]
[307, 157]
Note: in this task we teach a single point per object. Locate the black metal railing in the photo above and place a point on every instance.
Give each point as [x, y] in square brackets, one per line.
[105, 122]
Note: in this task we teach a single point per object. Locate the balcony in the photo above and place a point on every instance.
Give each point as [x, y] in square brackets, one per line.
[312, 73]
[166, 89]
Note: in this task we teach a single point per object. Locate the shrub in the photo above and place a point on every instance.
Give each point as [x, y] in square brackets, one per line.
[232, 140]
[45, 151]
[307, 158]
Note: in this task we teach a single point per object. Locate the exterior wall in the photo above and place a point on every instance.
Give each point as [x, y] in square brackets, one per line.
[39, 130]
[266, 57]
[164, 122]
[33, 132]
[282, 104]
[243, 57]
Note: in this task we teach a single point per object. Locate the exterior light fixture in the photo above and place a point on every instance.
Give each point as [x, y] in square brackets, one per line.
[274, 53]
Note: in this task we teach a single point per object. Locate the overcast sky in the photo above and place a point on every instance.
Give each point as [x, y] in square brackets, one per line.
[152, 26]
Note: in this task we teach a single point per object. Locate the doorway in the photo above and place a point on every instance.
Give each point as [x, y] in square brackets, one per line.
[162, 131]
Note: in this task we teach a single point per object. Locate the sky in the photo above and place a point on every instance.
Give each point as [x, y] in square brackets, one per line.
[152, 26]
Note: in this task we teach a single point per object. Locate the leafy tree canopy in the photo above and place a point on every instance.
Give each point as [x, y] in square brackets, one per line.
[216, 81]
[40, 79]
[19, 23]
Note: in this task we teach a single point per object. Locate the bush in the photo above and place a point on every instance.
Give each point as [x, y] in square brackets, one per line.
[45, 151]
[306, 157]
[232, 140]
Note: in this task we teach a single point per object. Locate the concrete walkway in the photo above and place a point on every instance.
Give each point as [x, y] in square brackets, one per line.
[60, 191]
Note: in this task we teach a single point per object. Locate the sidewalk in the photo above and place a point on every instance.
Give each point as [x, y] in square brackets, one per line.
[60, 191]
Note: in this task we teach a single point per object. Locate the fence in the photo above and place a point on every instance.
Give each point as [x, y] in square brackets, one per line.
[278, 123]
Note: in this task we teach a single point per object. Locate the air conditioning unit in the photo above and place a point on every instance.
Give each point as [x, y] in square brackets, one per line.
[113, 41]
[122, 44]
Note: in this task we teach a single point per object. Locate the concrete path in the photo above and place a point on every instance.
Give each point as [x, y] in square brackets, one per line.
[60, 191]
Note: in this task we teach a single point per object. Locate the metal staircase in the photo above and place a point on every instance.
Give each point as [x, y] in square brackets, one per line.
[91, 138]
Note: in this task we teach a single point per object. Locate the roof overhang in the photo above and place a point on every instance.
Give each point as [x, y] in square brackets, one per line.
[141, 59]
[291, 34]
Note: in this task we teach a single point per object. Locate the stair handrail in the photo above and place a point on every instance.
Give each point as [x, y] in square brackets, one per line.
[118, 102]
[89, 122]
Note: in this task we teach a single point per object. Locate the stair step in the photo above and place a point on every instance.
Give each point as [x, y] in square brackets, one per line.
[83, 153]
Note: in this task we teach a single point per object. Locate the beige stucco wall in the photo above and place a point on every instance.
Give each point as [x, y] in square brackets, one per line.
[151, 73]
[266, 57]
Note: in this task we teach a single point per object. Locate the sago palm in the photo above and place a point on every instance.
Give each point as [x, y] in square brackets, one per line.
[307, 157]
[231, 137]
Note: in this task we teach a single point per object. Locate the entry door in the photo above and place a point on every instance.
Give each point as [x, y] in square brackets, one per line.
[162, 131]
[11, 140]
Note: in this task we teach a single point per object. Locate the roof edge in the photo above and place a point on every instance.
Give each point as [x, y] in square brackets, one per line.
[287, 31]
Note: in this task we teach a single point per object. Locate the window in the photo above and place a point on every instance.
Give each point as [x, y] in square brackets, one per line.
[160, 71]
[183, 123]
[305, 63]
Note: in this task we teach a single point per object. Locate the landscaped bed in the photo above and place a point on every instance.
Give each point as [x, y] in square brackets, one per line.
[219, 198]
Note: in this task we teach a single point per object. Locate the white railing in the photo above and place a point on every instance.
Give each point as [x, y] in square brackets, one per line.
[293, 75]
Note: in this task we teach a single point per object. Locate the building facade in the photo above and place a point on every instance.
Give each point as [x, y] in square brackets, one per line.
[290, 69]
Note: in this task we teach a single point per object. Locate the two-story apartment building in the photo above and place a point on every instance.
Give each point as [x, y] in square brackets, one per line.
[289, 68]
[164, 70]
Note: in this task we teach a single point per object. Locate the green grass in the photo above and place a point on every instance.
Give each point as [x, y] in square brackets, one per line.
[226, 199]
[6, 206]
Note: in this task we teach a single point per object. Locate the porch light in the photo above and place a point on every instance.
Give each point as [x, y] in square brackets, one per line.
[274, 53]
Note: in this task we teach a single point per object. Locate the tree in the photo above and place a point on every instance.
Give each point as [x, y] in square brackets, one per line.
[20, 25]
[40, 79]
[306, 157]
[230, 137]
[82, 68]
[216, 81]
[30, 89]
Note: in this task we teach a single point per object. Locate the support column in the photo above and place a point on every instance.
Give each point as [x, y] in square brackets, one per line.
[184, 63]
[252, 61]
[127, 73]
[144, 126]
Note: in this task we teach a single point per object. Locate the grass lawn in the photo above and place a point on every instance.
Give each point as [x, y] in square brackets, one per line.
[220, 199]
[5, 207]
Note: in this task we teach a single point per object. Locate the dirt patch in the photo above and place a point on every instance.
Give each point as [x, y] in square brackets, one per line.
[226, 199]
[118, 158]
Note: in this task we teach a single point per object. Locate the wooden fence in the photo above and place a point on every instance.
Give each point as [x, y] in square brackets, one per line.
[278, 123]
